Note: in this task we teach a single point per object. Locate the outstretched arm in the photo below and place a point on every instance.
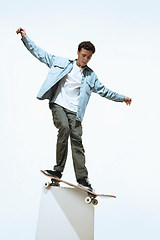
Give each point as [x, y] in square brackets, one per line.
[128, 100]
[105, 92]
[36, 51]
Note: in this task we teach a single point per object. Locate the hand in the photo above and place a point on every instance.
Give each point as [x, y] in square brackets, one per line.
[21, 31]
[128, 100]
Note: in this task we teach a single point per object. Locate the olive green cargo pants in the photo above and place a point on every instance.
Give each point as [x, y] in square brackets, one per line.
[65, 121]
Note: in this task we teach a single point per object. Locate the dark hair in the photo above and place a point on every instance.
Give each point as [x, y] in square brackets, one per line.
[86, 45]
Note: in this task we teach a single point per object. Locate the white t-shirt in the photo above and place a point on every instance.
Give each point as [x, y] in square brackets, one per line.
[68, 91]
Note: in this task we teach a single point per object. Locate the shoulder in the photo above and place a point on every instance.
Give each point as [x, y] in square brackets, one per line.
[61, 61]
[89, 72]
[89, 69]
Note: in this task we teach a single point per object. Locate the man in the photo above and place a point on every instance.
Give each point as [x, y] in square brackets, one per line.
[68, 87]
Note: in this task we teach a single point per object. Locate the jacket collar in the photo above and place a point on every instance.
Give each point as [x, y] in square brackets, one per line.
[85, 67]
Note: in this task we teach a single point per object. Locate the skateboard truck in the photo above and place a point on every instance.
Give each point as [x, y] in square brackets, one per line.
[54, 183]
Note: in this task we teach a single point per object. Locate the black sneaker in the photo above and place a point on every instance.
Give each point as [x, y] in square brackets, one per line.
[84, 182]
[52, 173]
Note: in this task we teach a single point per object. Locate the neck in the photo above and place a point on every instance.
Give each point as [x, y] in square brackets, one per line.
[79, 65]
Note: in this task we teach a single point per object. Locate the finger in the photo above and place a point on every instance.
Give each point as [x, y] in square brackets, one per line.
[19, 30]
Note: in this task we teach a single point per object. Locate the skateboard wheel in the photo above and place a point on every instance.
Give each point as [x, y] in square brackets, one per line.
[88, 200]
[94, 201]
[47, 184]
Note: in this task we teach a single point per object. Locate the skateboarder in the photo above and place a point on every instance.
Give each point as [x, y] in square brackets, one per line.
[68, 88]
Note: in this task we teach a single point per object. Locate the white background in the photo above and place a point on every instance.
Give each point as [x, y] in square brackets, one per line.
[121, 142]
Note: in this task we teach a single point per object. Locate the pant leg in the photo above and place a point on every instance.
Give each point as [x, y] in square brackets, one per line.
[78, 153]
[61, 122]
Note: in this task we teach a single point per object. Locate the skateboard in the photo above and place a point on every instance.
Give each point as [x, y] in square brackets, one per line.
[91, 196]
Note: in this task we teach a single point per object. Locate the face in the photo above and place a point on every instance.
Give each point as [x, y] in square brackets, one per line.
[84, 56]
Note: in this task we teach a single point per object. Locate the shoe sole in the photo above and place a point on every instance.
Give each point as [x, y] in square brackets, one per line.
[87, 188]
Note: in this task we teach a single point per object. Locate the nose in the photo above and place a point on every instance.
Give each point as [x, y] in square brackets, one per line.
[86, 59]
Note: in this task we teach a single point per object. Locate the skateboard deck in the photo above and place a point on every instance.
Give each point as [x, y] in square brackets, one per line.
[91, 198]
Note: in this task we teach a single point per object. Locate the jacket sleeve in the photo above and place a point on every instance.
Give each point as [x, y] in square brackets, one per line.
[37, 52]
[105, 92]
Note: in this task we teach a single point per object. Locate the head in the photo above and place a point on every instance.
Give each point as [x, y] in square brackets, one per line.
[85, 51]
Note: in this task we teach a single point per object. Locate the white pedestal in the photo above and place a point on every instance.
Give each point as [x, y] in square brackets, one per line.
[64, 215]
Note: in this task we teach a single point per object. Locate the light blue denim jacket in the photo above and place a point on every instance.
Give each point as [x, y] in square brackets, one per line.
[59, 67]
